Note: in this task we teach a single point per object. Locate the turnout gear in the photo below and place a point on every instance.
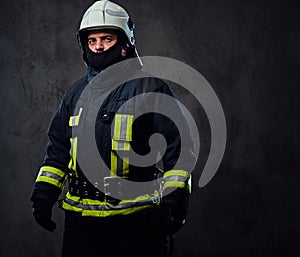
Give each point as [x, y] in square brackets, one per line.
[61, 155]
[93, 213]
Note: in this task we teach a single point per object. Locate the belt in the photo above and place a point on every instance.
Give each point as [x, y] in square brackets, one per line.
[84, 189]
[115, 189]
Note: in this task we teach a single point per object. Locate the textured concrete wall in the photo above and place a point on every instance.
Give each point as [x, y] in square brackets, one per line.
[248, 51]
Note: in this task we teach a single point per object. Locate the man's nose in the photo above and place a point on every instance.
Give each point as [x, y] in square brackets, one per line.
[99, 45]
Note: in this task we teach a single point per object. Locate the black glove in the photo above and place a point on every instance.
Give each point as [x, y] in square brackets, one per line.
[171, 213]
[172, 221]
[42, 212]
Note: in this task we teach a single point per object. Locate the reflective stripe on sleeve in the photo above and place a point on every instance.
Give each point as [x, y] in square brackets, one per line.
[182, 173]
[177, 178]
[52, 176]
[177, 184]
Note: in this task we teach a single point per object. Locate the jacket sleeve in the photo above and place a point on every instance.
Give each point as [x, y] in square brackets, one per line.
[179, 158]
[54, 169]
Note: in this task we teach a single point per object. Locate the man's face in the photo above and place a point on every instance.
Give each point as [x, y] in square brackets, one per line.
[99, 41]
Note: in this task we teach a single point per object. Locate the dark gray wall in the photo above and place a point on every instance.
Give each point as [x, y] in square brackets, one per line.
[248, 51]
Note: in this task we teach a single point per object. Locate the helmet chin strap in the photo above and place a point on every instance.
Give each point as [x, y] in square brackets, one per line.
[138, 56]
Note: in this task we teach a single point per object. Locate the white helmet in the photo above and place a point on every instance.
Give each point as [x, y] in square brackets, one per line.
[106, 15]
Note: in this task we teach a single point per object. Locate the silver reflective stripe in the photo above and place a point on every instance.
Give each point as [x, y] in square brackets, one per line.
[121, 145]
[123, 129]
[73, 203]
[176, 178]
[122, 134]
[52, 175]
[106, 207]
[103, 206]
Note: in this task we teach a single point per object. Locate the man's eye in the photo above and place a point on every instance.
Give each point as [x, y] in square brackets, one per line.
[108, 39]
[91, 41]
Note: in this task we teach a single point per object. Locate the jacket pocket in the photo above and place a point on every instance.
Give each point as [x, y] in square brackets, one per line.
[122, 132]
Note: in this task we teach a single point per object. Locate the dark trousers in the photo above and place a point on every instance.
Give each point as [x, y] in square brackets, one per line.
[129, 235]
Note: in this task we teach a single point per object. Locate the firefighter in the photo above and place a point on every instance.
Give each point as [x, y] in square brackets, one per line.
[97, 224]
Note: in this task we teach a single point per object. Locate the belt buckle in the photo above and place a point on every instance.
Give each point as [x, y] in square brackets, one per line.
[112, 189]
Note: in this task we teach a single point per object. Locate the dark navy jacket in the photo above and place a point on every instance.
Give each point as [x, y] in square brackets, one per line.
[112, 135]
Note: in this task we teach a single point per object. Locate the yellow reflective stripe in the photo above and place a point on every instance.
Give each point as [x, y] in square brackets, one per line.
[114, 159]
[107, 206]
[74, 120]
[129, 127]
[90, 207]
[177, 184]
[126, 146]
[182, 173]
[97, 213]
[69, 207]
[120, 145]
[50, 181]
[74, 205]
[117, 126]
[123, 127]
[113, 163]
[52, 176]
[53, 170]
[73, 154]
[122, 135]
[92, 204]
[114, 145]
[125, 167]
[177, 178]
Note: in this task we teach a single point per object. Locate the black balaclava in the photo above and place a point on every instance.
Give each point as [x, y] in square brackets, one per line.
[100, 61]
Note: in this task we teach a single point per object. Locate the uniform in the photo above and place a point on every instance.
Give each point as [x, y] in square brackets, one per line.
[97, 224]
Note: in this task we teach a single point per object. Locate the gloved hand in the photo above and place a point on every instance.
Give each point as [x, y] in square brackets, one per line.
[171, 213]
[172, 221]
[42, 212]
